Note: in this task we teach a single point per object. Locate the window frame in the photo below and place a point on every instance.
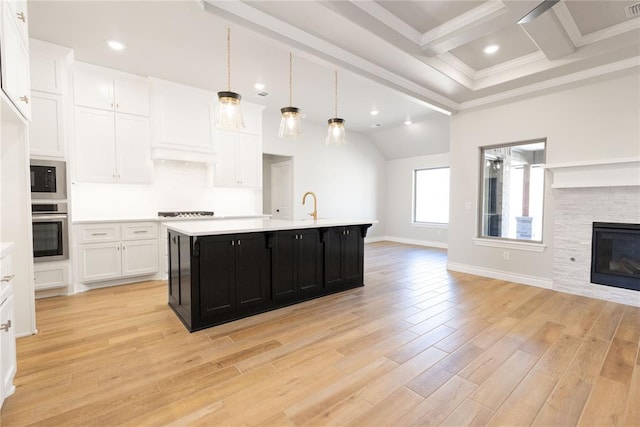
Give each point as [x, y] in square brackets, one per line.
[414, 200]
[508, 242]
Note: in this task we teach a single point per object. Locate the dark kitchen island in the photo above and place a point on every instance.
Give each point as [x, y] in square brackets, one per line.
[221, 271]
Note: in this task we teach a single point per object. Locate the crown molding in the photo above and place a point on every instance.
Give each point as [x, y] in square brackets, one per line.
[551, 83]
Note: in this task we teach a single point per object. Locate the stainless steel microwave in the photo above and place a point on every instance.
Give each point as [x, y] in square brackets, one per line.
[48, 179]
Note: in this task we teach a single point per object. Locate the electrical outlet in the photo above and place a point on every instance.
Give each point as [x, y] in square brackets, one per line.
[505, 255]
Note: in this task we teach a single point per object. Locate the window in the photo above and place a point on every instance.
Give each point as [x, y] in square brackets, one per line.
[431, 196]
[512, 190]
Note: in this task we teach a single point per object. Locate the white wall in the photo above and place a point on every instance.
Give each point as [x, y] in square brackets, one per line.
[349, 180]
[599, 119]
[399, 205]
[177, 186]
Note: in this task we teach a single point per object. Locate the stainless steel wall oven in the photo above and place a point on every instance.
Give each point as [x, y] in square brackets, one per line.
[50, 234]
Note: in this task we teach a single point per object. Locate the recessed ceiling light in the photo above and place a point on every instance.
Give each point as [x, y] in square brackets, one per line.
[374, 112]
[408, 122]
[492, 48]
[259, 86]
[115, 45]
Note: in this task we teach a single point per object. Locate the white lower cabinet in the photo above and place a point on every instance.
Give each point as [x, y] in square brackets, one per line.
[108, 251]
[8, 366]
[7, 347]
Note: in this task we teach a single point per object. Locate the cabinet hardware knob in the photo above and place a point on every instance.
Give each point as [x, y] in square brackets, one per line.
[7, 278]
[98, 234]
[21, 17]
[114, 175]
[24, 99]
[140, 231]
[238, 242]
[6, 326]
[233, 243]
[118, 247]
[112, 105]
[117, 105]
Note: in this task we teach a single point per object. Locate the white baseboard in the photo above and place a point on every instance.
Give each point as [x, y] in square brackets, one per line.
[539, 282]
[428, 243]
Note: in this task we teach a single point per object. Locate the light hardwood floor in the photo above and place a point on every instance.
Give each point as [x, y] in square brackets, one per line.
[416, 346]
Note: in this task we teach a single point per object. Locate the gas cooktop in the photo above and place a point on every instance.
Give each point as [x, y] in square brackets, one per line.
[185, 214]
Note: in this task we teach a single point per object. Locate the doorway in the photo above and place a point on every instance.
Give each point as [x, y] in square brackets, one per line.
[277, 186]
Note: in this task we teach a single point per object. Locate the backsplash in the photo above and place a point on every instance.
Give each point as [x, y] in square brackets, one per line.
[576, 210]
[176, 186]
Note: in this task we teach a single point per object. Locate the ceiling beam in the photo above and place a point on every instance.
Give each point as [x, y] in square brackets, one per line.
[327, 53]
[549, 35]
[478, 22]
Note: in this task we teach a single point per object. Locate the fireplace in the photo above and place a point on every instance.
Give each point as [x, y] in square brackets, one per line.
[615, 255]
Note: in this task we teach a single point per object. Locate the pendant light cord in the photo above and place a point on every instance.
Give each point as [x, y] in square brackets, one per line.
[290, 79]
[228, 59]
[335, 106]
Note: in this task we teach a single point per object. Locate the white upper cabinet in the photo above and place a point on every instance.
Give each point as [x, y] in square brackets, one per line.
[182, 117]
[46, 133]
[14, 55]
[133, 149]
[239, 161]
[106, 89]
[49, 66]
[112, 147]
[95, 136]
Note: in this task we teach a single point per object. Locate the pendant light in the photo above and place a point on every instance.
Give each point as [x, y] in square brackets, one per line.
[229, 113]
[336, 133]
[291, 122]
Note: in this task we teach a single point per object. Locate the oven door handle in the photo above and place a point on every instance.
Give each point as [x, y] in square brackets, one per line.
[37, 218]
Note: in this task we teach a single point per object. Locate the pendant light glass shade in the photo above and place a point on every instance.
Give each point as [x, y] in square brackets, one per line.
[229, 113]
[291, 122]
[336, 134]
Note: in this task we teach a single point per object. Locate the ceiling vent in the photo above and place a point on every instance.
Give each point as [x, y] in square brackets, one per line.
[633, 10]
[262, 94]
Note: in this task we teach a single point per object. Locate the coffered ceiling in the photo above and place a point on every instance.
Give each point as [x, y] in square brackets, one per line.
[409, 59]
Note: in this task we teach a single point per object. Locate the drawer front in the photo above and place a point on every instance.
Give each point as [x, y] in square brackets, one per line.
[5, 268]
[6, 275]
[140, 231]
[50, 276]
[97, 233]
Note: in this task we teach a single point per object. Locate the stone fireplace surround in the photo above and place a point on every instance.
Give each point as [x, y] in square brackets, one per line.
[584, 193]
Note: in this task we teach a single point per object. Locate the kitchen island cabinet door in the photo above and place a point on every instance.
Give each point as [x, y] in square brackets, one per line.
[309, 261]
[216, 266]
[343, 254]
[297, 263]
[285, 250]
[253, 269]
[352, 256]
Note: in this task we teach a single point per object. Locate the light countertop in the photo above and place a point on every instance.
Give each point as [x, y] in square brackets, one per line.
[207, 228]
[167, 219]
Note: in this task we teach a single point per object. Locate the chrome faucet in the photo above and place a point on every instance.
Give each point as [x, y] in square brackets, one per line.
[314, 214]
